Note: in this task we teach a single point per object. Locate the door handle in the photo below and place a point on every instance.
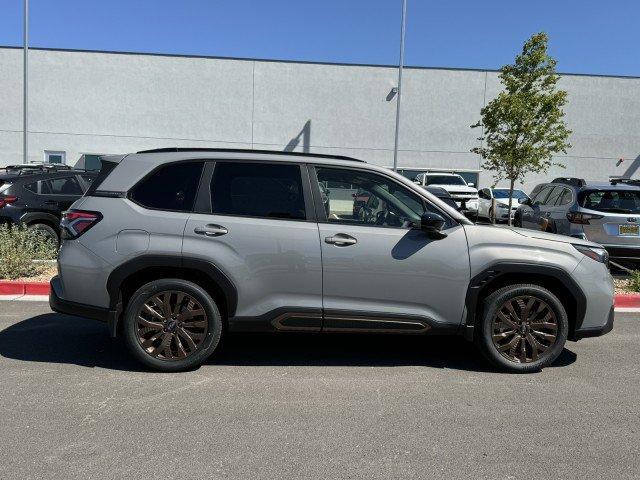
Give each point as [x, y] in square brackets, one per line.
[341, 240]
[51, 202]
[211, 230]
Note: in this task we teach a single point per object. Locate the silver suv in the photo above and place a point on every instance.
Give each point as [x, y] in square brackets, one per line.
[605, 213]
[175, 247]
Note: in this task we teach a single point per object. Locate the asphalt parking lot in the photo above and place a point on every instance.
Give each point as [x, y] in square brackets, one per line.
[73, 405]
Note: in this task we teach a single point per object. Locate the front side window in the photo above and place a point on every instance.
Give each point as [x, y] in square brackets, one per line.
[172, 187]
[258, 190]
[365, 198]
[554, 196]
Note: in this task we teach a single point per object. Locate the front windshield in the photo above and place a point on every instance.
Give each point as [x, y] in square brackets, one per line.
[504, 193]
[445, 180]
[614, 201]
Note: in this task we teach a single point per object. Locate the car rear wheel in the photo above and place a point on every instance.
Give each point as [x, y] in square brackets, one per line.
[172, 325]
[523, 328]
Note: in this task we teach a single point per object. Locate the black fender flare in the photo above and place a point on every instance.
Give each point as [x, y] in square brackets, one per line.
[142, 262]
[496, 270]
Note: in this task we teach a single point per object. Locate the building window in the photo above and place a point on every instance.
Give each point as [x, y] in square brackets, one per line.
[57, 157]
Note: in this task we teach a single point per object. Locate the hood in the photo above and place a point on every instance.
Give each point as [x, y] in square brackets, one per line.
[554, 237]
[455, 188]
[505, 202]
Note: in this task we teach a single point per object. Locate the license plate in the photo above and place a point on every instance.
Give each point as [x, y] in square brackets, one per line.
[629, 229]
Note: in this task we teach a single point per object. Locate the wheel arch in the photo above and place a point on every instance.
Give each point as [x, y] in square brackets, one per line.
[131, 275]
[30, 218]
[501, 274]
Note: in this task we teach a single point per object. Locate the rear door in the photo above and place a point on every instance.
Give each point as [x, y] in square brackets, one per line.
[59, 193]
[255, 222]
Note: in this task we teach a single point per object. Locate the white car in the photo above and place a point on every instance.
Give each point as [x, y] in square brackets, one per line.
[501, 196]
[465, 195]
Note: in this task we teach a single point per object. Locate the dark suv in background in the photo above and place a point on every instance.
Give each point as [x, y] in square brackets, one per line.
[605, 213]
[36, 195]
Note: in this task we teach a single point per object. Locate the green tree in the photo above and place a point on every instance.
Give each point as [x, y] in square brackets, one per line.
[523, 127]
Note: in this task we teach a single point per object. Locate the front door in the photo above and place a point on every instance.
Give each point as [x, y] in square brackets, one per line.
[380, 272]
[257, 228]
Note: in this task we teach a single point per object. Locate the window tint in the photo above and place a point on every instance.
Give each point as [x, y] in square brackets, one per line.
[566, 197]
[445, 180]
[543, 194]
[615, 201]
[62, 186]
[365, 198]
[554, 196]
[170, 188]
[258, 190]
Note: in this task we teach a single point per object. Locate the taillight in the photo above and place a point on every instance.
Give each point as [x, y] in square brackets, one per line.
[7, 199]
[582, 218]
[75, 222]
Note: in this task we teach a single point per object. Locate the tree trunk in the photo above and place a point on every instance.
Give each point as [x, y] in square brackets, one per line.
[512, 182]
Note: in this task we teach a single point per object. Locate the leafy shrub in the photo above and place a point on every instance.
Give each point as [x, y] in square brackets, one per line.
[634, 281]
[18, 247]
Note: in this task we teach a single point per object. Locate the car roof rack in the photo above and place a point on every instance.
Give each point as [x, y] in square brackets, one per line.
[626, 181]
[573, 181]
[31, 168]
[246, 150]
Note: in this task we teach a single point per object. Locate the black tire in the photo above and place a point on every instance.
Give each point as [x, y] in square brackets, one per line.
[205, 348]
[484, 334]
[46, 230]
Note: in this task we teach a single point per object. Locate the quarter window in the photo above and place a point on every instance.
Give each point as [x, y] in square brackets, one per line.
[172, 187]
[258, 190]
[364, 198]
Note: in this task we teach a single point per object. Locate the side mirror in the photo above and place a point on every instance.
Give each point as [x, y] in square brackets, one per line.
[524, 201]
[431, 224]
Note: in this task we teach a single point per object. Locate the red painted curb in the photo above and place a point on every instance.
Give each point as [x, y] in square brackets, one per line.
[11, 287]
[628, 300]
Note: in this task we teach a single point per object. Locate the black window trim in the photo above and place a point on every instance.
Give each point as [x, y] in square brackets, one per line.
[203, 205]
[129, 192]
[450, 222]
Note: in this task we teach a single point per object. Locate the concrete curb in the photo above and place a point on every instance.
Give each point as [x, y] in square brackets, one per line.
[11, 287]
[627, 300]
[16, 288]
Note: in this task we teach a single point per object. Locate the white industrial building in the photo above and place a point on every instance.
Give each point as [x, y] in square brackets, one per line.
[89, 103]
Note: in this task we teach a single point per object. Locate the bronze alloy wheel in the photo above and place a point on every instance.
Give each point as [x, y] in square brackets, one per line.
[171, 325]
[524, 328]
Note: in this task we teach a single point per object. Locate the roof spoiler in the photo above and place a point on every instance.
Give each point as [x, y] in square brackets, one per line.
[573, 181]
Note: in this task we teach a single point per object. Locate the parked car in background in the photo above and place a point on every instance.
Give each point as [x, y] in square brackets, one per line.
[501, 196]
[443, 195]
[605, 213]
[211, 241]
[36, 195]
[465, 195]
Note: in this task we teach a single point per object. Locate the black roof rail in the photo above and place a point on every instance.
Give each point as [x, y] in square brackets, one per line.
[573, 181]
[626, 181]
[33, 168]
[247, 150]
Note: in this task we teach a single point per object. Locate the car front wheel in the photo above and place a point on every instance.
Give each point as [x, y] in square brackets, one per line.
[172, 325]
[523, 328]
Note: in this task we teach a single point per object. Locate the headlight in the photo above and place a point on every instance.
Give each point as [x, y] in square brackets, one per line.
[595, 253]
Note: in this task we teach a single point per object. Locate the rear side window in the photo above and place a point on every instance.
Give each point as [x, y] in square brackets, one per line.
[172, 187]
[62, 186]
[614, 201]
[258, 190]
